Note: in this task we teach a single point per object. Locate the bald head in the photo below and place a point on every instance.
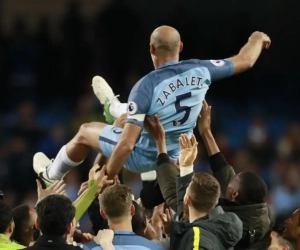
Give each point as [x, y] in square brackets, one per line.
[166, 41]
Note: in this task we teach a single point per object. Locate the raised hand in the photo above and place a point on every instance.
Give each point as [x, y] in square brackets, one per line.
[104, 236]
[84, 186]
[120, 122]
[166, 219]
[266, 40]
[82, 238]
[188, 150]
[70, 241]
[155, 219]
[204, 119]
[104, 182]
[57, 187]
[154, 128]
[99, 174]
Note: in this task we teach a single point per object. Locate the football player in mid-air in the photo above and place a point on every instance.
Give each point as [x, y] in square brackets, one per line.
[174, 91]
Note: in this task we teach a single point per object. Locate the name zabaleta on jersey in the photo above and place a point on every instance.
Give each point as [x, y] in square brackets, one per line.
[179, 83]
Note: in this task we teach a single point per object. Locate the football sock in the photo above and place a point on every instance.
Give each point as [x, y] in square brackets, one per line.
[61, 165]
[116, 109]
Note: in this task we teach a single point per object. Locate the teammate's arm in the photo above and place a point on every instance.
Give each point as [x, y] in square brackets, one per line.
[249, 54]
[138, 105]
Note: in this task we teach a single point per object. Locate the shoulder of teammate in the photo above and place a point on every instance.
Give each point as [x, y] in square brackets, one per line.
[218, 69]
[139, 100]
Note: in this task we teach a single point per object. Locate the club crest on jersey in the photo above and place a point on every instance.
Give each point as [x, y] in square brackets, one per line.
[217, 63]
[132, 108]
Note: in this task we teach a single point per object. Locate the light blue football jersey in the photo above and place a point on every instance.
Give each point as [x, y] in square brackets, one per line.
[126, 241]
[175, 92]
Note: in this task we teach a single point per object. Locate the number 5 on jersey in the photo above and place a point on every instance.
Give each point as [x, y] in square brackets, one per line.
[180, 108]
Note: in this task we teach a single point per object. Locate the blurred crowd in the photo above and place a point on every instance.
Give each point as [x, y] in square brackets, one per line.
[46, 96]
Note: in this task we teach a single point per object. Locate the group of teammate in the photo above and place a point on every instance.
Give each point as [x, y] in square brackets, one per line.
[174, 92]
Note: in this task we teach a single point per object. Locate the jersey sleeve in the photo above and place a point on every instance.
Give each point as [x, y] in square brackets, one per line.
[218, 69]
[139, 102]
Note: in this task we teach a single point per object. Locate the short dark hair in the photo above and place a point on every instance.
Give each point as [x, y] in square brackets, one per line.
[55, 213]
[5, 216]
[116, 201]
[139, 220]
[21, 217]
[253, 189]
[204, 192]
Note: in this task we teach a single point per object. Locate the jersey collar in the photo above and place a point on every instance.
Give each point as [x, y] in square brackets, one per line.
[124, 232]
[167, 64]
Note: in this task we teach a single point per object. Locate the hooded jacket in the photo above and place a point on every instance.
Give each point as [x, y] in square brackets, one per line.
[257, 224]
[257, 219]
[218, 231]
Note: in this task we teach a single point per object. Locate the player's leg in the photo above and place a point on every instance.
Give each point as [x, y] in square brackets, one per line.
[70, 155]
[113, 108]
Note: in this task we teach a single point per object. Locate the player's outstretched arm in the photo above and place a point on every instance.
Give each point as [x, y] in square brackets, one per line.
[249, 54]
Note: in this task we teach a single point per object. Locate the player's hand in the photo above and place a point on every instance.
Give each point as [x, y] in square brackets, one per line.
[84, 186]
[96, 173]
[104, 236]
[150, 232]
[154, 128]
[82, 238]
[104, 183]
[263, 37]
[166, 219]
[188, 150]
[70, 241]
[155, 219]
[204, 119]
[99, 175]
[120, 122]
[57, 187]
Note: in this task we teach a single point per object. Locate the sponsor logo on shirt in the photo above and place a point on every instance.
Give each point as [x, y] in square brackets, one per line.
[217, 63]
[132, 108]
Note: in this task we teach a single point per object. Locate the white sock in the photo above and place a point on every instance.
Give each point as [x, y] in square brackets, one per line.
[61, 165]
[149, 176]
[116, 109]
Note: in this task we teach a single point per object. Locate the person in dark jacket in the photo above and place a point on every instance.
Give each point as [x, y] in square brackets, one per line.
[56, 220]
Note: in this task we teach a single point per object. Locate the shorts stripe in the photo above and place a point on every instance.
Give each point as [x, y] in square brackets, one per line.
[109, 141]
